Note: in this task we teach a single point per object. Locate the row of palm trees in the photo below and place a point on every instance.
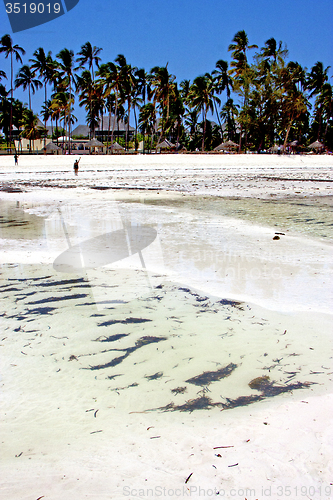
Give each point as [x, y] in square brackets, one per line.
[267, 100]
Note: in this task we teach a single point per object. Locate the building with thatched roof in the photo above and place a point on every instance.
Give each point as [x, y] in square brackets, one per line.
[226, 146]
[52, 148]
[165, 146]
[317, 146]
[116, 147]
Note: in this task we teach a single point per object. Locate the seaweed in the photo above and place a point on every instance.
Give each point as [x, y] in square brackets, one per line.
[129, 350]
[112, 338]
[155, 376]
[179, 390]
[207, 377]
[56, 299]
[64, 282]
[232, 303]
[123, 321]
[42, 310]
[201, 403]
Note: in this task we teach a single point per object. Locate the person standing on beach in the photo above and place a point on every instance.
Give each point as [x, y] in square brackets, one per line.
[16, 158]
[76, 166]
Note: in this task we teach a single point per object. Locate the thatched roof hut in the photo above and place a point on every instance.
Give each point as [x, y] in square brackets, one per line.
[165, 145]
[52, 147]
[116, 147]
[226, 146]
[94, 143]
[316, 145]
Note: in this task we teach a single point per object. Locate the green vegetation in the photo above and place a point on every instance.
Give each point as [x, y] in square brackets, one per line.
[257, 102]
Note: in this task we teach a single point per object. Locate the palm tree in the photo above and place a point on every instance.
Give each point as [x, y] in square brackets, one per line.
[162, 89]
[61, 104]
[325, 102]
[294, 103]
[127, 86]
[26, 78]
[46, 68]
[89, 54]
[229, 113]
[66, 67]
[7, 47]
[316, 81]
[222, 82]
[243, 74]
[111, 78]
[46, 114]
[31, 129]
[92, 97]
[147, 121]
[202, 97]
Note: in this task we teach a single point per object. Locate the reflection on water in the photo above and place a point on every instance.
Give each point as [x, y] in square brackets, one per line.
[308, 216]
[15, 223]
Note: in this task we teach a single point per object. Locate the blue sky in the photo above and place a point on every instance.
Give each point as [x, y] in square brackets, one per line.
[189, 35]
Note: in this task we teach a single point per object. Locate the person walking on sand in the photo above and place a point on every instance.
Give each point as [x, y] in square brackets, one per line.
[16, 158]
[76, 166]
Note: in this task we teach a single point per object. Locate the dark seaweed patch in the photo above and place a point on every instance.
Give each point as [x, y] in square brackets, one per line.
[232, 303]
[271, 390]
[21, 296]
[241, 401]
[207, 377]
[114, 362]
[179, 390]
[112, 377]
[205, 403]
[139, 343]
[64, 282]
[29, 279]
[124, 321]
[198, 298]
[42, 310]
[155, 376]
[267, 389]
[112, 338]
[56, 299]
[201, 403]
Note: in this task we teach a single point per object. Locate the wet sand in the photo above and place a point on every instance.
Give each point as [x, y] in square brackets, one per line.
[199, 364]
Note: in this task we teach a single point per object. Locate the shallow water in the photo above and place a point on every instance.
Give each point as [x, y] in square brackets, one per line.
[308, 216]
[169, 329]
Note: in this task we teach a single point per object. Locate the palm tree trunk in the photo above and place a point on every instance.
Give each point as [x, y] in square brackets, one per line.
[11, 100]
[69, 117]
[240, 139]
[109, 130]
[114, 120]
[128, 120]
[218, 117]
[45, 134]
[204, 131]
[286, 138]
[136, 130]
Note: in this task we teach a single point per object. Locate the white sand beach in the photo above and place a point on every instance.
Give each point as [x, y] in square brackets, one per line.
[166, 327]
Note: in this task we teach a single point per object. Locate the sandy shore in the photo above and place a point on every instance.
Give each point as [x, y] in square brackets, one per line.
[199, 366]
[222, 175]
